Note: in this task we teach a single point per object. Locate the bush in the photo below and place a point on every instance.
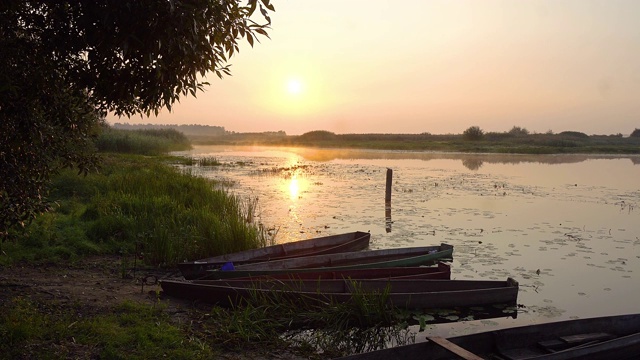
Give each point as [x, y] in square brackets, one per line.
[473, 133]
[574, 134]
[518, 131]
[635, 133]
[318, 135]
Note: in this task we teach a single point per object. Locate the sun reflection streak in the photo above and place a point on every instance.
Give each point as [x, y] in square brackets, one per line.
[297, 182]
[294, 188]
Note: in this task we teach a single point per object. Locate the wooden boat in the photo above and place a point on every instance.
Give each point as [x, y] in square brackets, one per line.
[411, 294]
[611, 337]
[441, 271]
[346, 242]
[402, 257]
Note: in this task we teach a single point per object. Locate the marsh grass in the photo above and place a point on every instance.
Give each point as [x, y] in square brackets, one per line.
[139, 200]
[140, 331]
[203, 161]
[131, 331]
[284, 172]
[313, 322]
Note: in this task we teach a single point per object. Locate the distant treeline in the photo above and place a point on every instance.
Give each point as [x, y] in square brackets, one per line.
[475, 140]
[141, 141]
[195, 131]
[189, 130]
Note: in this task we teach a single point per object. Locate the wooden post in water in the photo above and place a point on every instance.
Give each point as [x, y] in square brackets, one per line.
[387, 196]
[387, 202]
[387, 216]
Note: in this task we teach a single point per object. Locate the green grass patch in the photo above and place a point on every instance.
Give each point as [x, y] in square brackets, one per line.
[138, 202]
[132, 331]
[203, 161]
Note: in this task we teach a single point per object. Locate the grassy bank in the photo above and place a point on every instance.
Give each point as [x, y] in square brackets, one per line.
[138, 202]
[131, 330]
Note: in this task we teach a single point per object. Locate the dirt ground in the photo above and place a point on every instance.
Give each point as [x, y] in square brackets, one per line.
[96, 282]
[95, 285]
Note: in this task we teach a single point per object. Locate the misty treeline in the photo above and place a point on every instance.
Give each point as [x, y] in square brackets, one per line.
[472, 133]
[517, 140]
[142, 141]
[191, 129]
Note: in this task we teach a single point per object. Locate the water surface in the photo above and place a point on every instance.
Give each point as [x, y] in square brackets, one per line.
[566, 227]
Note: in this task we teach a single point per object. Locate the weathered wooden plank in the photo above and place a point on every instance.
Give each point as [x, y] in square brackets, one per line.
[449, 346]
[582, 338]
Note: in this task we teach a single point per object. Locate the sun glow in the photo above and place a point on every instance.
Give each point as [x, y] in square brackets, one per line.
[293, 91]
[294, 87]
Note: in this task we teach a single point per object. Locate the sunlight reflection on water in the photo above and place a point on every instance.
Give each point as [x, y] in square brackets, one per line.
[567, 227]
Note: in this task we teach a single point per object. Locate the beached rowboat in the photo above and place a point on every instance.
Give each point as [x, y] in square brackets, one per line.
[346, 242]
[601, 338]
[410, 294]
[401, 257]
[441, 271]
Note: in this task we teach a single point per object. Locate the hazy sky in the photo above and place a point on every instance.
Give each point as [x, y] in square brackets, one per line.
[413, 66]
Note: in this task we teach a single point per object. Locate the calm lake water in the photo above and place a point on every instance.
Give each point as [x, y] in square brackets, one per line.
[566, 227]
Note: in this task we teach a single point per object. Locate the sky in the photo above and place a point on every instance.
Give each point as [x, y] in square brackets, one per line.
[415, 66]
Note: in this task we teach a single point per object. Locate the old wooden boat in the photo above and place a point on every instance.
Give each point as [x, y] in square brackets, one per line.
[440, 271]
[346, 242]
[411, 294]
[401, 257]
[610, 337]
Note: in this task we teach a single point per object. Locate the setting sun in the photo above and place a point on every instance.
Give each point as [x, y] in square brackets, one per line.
[294, 87]
[295, 90]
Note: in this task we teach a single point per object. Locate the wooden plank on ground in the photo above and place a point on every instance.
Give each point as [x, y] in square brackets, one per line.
[453, 348]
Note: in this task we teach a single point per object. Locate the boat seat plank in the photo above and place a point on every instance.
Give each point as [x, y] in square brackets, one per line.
[571, 341]
[582, 338]
[520, 353]
[453, 348]
[552, 345]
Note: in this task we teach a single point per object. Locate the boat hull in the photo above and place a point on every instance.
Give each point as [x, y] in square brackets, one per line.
[346, 242]
[441, 271]
[410, 294]
[572, 339]
[387, 258]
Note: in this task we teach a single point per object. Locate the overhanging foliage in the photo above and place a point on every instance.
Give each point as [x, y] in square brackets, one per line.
[65, 64]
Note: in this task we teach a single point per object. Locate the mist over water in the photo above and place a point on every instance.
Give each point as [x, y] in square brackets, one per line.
[566, 227]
